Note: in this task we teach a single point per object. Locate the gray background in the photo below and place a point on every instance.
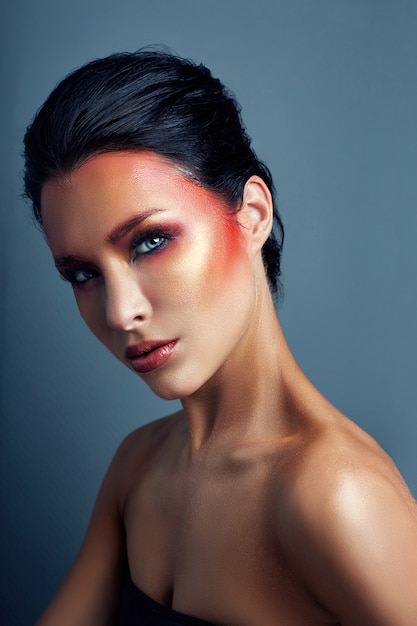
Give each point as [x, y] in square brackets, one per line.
[328, 90]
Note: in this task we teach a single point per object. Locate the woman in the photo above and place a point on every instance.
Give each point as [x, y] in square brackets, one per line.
[258, 503]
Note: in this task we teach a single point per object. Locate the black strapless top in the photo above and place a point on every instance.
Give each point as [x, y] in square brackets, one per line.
[138, 609]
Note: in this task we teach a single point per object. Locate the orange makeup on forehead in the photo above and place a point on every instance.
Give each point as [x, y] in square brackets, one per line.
[112, 194]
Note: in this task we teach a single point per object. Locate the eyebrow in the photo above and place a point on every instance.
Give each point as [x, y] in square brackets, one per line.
[113, 237]
[69, 259]
[123, 229]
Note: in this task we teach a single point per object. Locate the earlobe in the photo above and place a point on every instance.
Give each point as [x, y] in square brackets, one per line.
[256, 212]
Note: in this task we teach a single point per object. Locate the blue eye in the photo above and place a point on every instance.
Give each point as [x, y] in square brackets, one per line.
[79, 277]
[148, 244]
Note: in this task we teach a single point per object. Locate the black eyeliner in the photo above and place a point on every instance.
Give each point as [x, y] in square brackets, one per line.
[149, 233]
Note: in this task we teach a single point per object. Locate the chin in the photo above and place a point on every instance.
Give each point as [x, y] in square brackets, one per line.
[165, 393]
[168, 392]
[173, 387]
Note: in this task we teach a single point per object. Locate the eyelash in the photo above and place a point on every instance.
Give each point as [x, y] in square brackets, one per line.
[147, 235]
[70, 274]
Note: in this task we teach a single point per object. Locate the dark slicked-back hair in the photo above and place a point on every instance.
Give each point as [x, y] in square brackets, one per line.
[148, 100]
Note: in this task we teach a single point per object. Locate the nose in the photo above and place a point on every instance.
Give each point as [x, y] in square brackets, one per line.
[126, 305]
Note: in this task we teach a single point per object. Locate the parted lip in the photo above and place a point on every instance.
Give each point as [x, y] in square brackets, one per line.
[144, 347]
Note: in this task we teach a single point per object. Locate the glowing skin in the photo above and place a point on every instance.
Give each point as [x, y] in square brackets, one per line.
[153, 257]
[259, 493]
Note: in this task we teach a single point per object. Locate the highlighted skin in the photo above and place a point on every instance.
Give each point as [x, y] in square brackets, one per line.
[258, 503]
[155, 257]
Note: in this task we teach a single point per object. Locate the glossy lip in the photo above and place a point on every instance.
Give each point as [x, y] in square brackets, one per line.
[147, 356]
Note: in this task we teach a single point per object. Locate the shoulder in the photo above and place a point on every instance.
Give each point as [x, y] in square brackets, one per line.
[342, 464]
[148, 438]
[348, 524]
[142, 450]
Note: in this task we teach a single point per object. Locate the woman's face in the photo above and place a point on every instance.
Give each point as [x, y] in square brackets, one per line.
[162, 272]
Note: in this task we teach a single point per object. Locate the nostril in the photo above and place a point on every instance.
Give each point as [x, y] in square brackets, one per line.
[126, 307]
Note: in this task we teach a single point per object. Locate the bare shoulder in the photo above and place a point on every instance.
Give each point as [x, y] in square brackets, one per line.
[150, 436]
[138, 451]
[348, 524]
[89, 595]
[336, 453]
[340, 462]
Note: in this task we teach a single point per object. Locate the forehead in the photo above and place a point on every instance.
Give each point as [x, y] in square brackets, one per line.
[115, 186]
[108, 175]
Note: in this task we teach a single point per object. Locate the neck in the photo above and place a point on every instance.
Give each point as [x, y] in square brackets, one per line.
[246, 401]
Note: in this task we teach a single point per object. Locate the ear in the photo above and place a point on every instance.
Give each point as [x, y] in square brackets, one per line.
[256, 212]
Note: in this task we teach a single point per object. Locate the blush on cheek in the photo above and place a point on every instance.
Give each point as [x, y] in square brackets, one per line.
[231, 255]
[224, 267]
[234, 240]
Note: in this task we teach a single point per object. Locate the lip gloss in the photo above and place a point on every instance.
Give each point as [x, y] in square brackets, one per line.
[149, 356]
